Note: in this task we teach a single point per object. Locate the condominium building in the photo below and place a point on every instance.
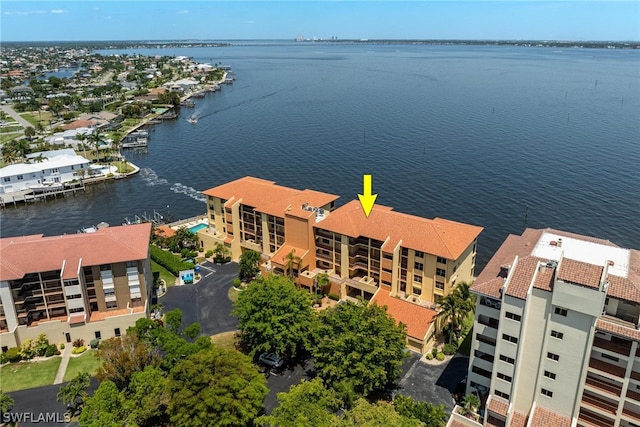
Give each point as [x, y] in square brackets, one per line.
[87, 286]
[556, 333]
[301, 233]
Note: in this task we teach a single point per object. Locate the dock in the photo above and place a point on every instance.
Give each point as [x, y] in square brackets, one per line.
[28, 196]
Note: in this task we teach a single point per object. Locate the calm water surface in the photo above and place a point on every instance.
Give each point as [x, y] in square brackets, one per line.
[483, 135]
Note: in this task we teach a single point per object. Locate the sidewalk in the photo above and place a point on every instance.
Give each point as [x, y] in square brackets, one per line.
[17, 117]
[66, 355]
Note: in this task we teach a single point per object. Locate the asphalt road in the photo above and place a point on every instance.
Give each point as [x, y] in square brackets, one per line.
[206, 302]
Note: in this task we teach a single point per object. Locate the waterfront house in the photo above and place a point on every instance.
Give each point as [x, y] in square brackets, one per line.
[78, 286]
[182, 85]
[48, 167]
[71, 136]
[556, 337]
[415, 261]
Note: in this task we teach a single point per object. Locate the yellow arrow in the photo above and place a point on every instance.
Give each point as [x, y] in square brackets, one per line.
[367, 199]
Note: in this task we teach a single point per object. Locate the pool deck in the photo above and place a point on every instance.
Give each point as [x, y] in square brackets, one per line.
[189, 222]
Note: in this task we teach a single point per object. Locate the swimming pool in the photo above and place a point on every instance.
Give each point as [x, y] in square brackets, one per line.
[197, 228]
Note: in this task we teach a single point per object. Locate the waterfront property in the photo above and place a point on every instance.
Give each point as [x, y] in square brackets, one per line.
[301, 234]
[556, 335]
[87, 285]
[45, 170]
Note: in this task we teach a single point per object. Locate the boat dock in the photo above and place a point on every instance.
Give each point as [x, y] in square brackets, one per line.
[28, 196]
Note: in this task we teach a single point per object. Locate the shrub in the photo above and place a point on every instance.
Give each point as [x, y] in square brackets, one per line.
[61, 346]
[449, 349]
[334, 297]
[50, 350]
[78, 350]
[40, 345]
[27, 350]
[169, 261]
[208, 254]
[13, 354]
[94, 343]
[3, 358]
[78, 343]
[440, 356]
[434, 351]
[429, 356]
[236, 283]
[187, 253]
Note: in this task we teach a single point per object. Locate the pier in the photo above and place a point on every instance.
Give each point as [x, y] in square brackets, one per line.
[28, 196]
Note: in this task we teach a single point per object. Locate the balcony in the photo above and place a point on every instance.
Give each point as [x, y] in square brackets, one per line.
[631, 414]
[607, 368]
[488, 321]
[600, 386]
[591, 419]
[619, 348]
[485, 339]
[633, 395]
[599, 404]
[635, 375]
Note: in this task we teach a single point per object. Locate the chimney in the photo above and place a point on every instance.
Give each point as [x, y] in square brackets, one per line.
[559, 242]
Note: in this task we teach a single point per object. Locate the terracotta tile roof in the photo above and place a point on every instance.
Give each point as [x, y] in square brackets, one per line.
[80, 124]
[518, 419]
[543, 417]
[292, 205]
[77, 318]
[418, 319]
[101, 315]
[544, 279]
[280, 256]
[490, 288]
[580, 273]
[27, 254]
[498, 405]
[521, 278]
[438, 236]
[618, 329]
[624, 289]
[266, 196]
[455, 423]
[164, 231]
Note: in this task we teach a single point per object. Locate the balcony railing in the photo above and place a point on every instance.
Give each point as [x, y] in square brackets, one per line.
[485, 339]
[488, 321]
[600, 404]
[603, 386]
[591, 419]
[619, 348]
[630, 413]
[607, 367]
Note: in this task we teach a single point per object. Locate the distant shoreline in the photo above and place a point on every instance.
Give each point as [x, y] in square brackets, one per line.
[163, 44]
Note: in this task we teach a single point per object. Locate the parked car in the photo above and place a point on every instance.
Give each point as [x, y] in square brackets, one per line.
[271, 359]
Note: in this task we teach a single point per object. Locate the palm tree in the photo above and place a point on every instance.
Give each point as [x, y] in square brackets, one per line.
[6, 402]
[292, 261]
[454, 308]
[74, 392]
[29, 132]
[470, 405]
[95, 138]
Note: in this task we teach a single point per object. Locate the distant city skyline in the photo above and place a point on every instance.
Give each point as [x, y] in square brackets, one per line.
[229, 20]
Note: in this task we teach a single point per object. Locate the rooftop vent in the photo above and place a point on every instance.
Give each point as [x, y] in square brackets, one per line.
[559, 242]
[552, 264]
[611, 263]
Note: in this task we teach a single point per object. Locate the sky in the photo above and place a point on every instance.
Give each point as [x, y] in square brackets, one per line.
[27, 20]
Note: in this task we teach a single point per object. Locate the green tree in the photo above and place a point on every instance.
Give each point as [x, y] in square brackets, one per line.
[6, 402]
[221, 253]
[274, 316]
[148, 398]
[323, 282]
[308, 404]
[74, 392]
[359, 343]
[96, 139]
[105, 408]
[431, 415]
[292, 263]
[470, 405]
[453, 309]
[249, 265]
[216, 387]
[29, 132]
[124, 356]
[365, 414]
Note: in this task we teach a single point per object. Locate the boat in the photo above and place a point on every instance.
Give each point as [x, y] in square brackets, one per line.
[187, 103]
[193, 120]
[46, 187]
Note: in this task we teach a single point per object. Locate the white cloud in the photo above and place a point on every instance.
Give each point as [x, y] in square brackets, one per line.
[183, 12]
[23, 13]
[251, 22]
[57, 11]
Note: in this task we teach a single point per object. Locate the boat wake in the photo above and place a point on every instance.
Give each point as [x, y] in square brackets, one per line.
[188, 191]
[151, 178]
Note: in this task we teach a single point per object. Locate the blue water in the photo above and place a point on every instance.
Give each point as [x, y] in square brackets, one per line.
[484, 135]
[197, 228]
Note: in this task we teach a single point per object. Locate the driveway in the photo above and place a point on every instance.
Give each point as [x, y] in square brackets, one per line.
[206, 302]
[17, 117]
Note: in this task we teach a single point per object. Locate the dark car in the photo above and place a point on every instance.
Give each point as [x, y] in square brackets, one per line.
[271, 359]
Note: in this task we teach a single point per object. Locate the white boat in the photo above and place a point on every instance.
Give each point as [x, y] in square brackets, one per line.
[46, 187]
[193, 120]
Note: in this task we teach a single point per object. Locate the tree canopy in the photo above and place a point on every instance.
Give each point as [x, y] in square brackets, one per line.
[124, 356]
[249, 265]
[74, 392]
[274, 316]
[216, 387]
[360, 344]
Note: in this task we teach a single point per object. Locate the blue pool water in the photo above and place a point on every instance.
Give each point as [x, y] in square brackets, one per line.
[197, 228]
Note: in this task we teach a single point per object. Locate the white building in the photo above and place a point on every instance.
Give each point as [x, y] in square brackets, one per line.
[556, 338]
[47, 167]
[70, 137]
[181, 85]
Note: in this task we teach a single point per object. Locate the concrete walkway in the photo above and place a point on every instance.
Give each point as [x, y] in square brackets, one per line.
[17, 117]
[66, 355]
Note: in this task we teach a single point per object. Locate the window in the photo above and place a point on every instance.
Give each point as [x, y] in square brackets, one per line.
[105, 267]
[5, 348]
[546, 392]
[550, 375]
[442, 260]
[560, 311]
[418, 266]
[420, 254]
[417, 278]
[513, 316]
[501, 394]
[112, 304]
[553, 356]
[557, 334]
[504, 377]
[416, 290]
[7, 179]
[98, 335]
[440, 272]
[387, 256]
[510, 338]
[116, 332]
[507, 359]
[606, 356]
[20, 177]
[440, 285]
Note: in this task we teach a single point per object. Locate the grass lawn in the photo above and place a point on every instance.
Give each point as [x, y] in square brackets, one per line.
[169, 278]
[123, 167]
[233, 294]
[225, 340]
[5, 137]
[87, 362]
[23, 375]
[9, 129]
[34, 117]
